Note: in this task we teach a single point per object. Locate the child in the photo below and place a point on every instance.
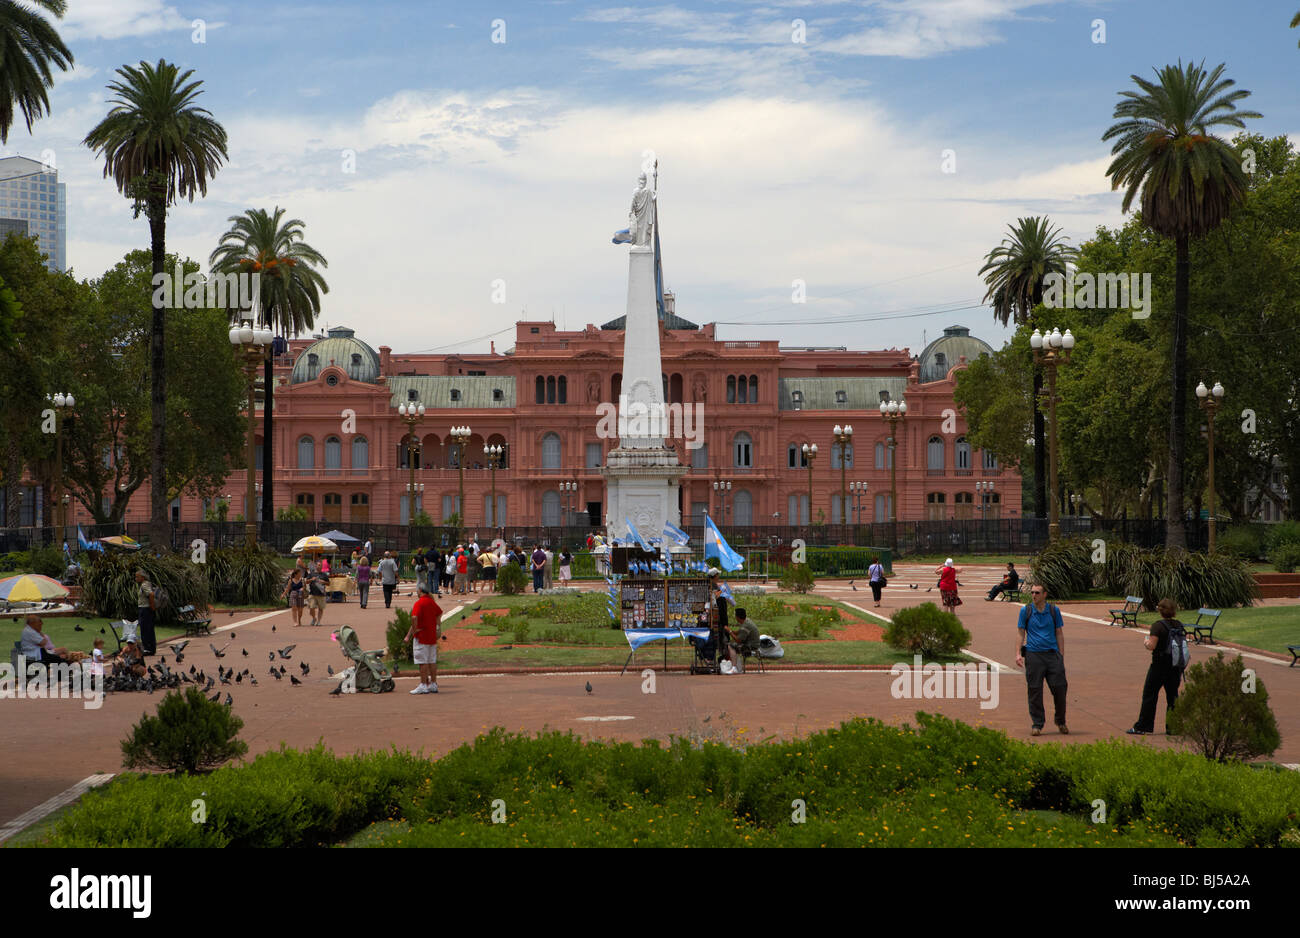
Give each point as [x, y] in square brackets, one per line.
[97, 658]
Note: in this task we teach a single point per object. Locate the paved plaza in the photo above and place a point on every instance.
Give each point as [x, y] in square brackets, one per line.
[52, 745]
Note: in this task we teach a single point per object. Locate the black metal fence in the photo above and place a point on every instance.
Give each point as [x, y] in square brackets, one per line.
[1017, 537]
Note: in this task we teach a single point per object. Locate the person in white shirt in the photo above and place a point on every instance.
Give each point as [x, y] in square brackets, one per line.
[37, 646]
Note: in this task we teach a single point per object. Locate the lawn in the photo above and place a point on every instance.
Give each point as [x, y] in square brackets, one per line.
[1268, 628]
[63, 632]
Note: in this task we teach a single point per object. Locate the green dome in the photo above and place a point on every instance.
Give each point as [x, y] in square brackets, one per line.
[341, 347]
[945, 352]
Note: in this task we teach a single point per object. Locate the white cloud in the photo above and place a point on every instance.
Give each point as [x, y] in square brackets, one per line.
[921, 28]
[115, 19]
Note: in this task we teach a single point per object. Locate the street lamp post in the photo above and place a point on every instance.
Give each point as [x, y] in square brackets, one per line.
[493, 453]
[722, 488]
[568, 503]
[1211, 399]
[858, 491]
[250, 347]
[1051, 351]
[893, 412]
[63, 404]
[460, 439]
[843, 437]
[412, 414]
[985, 492]
[809, 454]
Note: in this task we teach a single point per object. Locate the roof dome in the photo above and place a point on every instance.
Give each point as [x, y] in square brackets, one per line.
[342, 348]
[946, 351]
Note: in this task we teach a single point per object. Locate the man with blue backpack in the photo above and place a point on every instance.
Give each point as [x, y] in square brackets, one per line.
[1041, 652]
[1169, 654]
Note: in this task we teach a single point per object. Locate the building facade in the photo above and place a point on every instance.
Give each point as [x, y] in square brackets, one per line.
[34, 202]
[343, 453]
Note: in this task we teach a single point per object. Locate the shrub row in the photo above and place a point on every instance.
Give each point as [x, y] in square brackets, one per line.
[110, 589]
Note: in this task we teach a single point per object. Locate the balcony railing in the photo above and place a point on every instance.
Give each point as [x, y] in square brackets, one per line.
[936, 472]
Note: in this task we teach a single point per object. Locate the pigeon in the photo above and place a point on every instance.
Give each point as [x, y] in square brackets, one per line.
[101, 631]
[245, 652]
[239, 678]
[225, 679]
[337, 692]
[216, 698]
[231, 613]
[477, 607]
[209, 685]
[913, 585]
[232, 634]
[928, 588]
[252, 680]
[192, 671]
[180, 658]
[148, 685]
[330, 668]
[306, 668]
[276, 674]
[294, 680]
[852, 587]
[219, 654]
[284, 652]
[283, 670]
[272, 626]
[270, 656]
[589, 687]
[181, 647]
[229, 700]
[77, 628]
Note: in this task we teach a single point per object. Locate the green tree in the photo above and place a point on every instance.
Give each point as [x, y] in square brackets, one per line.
[158, 146]
[29, 45]
[290, 292]
[1295, 21]
[1014, 272]
[1189, 180]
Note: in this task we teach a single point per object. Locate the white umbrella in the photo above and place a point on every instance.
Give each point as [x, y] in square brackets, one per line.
[314, 544]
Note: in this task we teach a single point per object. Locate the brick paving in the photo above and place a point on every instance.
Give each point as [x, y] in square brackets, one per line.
[51, 745]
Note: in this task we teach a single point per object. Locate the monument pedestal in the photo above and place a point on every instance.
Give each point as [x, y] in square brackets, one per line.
[641, 485]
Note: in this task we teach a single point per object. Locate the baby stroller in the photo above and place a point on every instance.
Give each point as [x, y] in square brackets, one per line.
[368, 671]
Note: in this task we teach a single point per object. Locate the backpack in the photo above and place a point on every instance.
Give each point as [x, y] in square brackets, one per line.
[1179, 653]
[160, 598]
[316, 587]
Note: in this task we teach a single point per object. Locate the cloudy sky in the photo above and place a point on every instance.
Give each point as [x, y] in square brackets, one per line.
[802, 141]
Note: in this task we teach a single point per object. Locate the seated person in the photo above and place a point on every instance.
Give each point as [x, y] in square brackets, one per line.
[130, 660]
[1010, 581]
[37, 646]
[744, 640]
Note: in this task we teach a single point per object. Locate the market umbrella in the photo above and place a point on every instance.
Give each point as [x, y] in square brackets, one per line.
[339, 537]
[314, 544]
[122, 541]
[31, 588]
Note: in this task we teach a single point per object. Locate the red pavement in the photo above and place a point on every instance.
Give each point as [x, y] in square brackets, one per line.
[52, 744]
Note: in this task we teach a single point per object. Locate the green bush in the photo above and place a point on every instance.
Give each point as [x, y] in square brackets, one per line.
[1242, 540]
[48, 561]
[254, 572]
[1284, 532]
[395, 636]
[811, 623]
[109, 587]
[797, 578]
[1064, 567]
[927, 630]
[1224, 714]
[293, 513]
[190, 732]
[1285, 558]
[511, 580]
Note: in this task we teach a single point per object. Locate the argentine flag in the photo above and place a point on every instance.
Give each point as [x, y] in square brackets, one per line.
[636, 536]
[716, 546]
[675, 534]
[85, 544]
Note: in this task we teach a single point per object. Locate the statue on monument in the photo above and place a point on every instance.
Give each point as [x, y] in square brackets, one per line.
[641, 217]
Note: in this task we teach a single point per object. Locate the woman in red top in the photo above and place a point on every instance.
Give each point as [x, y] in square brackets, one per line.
[948, 584]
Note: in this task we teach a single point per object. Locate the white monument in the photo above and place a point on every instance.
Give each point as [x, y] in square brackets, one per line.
[641, 474]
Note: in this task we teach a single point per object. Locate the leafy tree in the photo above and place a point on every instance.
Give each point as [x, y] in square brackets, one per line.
[1224, 713]
[1014, 272]
[1189, 181]
[290, 288]
[157, 145]
[189, 733]
[29, 45]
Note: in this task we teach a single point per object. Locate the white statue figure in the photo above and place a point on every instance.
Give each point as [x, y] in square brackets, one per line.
[641, 217]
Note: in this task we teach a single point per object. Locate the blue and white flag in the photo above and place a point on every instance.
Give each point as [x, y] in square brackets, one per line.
[636, 536]
[623, 237]
[675, 534]
[725, 591]
[84, 544]
[716, 546]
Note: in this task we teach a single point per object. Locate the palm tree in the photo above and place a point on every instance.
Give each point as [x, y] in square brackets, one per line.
[158, 146]
[29, 44]
[290, 288]
[1295, 22]
[1190, 180]
[1014, 272]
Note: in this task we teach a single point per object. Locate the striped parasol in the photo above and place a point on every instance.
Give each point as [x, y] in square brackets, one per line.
[31, 588]
[314, 544]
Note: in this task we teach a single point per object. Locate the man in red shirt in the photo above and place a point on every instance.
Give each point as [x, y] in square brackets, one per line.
[462, 572]
[423, 634]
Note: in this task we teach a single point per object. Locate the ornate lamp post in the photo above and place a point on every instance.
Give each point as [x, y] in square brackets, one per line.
[893, 412]
[460, 439]
[63, 404]
[1211, 399]
[1051, 351]
[569, 500]
[494, 454]
[250, 348]
[722, 488]
[809, 454]
[1077, 501]
[412, 414]
[985, 492]
[858, 491]
[843, 437]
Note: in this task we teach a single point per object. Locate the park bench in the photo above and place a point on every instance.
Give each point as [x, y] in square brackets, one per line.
[194, 621]
[1203, 627]
[1295, 654]
[1129, 614]
[1010, 594]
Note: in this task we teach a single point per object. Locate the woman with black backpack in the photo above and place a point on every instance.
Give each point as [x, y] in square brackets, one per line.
[1168, 646]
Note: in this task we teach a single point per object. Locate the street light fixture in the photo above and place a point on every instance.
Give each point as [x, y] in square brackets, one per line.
[460, 439]
[858, 491]
[1211, 399]
[985, 492]
[893, 413]
[494, 453]
[63, 404]
[809, 454]
[568, 503]
[412, 414]
[1051, 351]
[843, 438]
[722, 489]
[250, 347]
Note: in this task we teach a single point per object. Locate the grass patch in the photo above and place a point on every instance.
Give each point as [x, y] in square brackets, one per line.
[62, 631]
[1268, 628]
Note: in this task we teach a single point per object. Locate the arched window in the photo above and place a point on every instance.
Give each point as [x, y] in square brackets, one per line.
[753, 389]
[880, 456]
[333, 453]
[550, 389]
[835, 456]
[794, 457]
[731, 389]
[551, 509]
[934, 455]
[675, 389]
[941, 363]
[743, 451]
[564, 389]
[551, 452]
[665, 377]
[935, 504]
[961, 454]
[306, 453]
[540, 386]
[742, 390]
[963, 506]
[360, 453]
[990, 461]
[404, 452]
[743, 509]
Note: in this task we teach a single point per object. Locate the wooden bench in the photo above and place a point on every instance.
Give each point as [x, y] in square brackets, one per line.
[1010, 594]
[1129, 614]
[194, 621]
[1295, 654]
[1203, 627]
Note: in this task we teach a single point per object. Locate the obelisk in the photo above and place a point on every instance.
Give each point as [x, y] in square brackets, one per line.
[641, 474]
